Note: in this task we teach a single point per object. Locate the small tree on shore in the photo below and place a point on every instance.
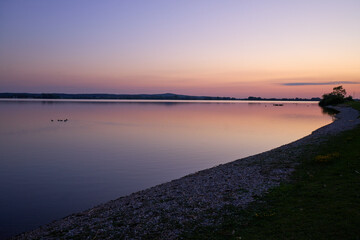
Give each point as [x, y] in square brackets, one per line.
[337, 96]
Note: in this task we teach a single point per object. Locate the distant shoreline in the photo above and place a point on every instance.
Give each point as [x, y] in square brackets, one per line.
[164, 96]
[147, 101]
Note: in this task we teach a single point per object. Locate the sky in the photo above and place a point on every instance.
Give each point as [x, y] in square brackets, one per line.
[236, 48]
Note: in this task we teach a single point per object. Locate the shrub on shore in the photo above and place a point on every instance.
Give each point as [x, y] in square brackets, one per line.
[337, 96]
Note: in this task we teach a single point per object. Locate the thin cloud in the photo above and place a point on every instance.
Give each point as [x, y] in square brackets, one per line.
[318, 83]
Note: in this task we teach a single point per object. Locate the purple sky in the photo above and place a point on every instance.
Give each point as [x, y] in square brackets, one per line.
[230, 48]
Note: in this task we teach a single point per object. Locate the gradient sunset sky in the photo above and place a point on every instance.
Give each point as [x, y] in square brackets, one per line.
[267, 48]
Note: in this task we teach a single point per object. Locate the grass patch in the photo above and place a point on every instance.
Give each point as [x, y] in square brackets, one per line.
[321, 202]
[355, 104]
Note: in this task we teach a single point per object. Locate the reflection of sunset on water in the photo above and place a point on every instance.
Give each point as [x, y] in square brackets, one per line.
[227, 130]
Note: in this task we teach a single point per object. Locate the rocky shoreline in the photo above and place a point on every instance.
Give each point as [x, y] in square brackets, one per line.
[167, 210]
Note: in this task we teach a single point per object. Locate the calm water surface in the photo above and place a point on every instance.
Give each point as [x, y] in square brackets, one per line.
[109, 149]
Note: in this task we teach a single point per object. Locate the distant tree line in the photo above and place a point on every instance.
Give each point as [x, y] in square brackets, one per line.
[165, 96]
[281, 99]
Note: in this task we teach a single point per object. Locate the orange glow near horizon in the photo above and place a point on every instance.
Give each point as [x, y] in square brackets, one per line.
[246, 48]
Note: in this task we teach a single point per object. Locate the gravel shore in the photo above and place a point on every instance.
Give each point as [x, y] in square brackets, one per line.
[166, 210]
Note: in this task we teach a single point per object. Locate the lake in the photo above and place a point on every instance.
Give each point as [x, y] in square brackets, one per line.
[108, 149]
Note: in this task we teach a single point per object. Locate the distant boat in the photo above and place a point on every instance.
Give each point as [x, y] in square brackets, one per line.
[278, 105]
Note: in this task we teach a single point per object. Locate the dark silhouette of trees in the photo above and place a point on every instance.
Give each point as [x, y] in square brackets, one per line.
[337, 96]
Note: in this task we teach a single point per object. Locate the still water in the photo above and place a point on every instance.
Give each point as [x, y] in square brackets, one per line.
[107, 149]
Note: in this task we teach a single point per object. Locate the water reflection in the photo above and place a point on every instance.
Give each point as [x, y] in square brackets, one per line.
[109, 149]
[330, 111]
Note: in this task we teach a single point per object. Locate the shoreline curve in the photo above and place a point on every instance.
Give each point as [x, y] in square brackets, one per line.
[165, 210]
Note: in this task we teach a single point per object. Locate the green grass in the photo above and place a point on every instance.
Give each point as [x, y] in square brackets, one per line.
[355, 104]
[321, 202]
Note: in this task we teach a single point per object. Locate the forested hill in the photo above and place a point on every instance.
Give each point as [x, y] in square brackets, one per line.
[164, 96]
